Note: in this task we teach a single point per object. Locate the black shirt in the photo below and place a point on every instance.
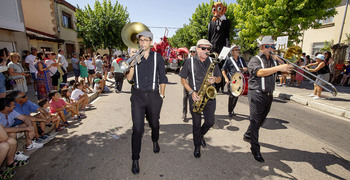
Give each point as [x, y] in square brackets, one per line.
[145, 72]
[219, 34]
[200, 70]
[230, 68]
[254, 81]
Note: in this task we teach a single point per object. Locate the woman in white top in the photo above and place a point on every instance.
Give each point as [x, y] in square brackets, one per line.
[17, 73]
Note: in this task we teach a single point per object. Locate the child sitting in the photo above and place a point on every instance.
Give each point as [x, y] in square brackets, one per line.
[44, 103]
[57, 104]
[85, 88]
[79, 97]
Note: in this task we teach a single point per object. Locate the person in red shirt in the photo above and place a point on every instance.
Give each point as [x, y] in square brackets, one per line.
[57, 104]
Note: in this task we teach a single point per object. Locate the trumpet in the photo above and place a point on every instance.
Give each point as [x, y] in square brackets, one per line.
[129, 38]
[296, 51]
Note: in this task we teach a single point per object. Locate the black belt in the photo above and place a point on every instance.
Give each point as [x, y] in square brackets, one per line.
[262, 92]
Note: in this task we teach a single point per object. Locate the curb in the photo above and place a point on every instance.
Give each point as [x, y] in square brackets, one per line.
[313, 104]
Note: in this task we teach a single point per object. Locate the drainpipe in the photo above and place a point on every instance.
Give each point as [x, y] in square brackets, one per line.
[342, 26]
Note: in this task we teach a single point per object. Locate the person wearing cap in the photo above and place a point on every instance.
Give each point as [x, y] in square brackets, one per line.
[262, 69]
[233, 64]
[192, 75]
[322, 71]
[185, 93]
[147, 95]
[193, 51]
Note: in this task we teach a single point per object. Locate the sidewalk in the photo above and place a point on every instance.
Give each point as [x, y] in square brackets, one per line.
[338, 105]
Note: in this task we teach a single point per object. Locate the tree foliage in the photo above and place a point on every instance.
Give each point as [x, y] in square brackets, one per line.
[280, 17]
[188, 35]
[101, 26]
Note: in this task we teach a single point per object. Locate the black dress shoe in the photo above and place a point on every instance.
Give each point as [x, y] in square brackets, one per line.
[156, 147]
[203, 143]
[197, 152]
[135, 169]
[246, 139]
[258, 157]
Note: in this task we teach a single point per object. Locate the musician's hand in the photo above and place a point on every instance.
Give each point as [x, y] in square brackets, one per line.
[211, 80]
[195, 97]
[285, 67]
[227, 81]
[245, 69]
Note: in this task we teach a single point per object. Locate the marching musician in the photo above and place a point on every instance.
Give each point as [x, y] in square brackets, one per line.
[194, 70]
[147, 94]
[262, 69]
[185, 96]
[233, 64]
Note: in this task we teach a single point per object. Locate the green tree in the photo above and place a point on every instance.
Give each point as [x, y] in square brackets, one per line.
[280, 17]
[188, 35]
[327, 46]
[101, 26]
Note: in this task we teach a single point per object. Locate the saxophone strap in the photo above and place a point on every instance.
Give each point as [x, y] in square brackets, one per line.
[192, 68]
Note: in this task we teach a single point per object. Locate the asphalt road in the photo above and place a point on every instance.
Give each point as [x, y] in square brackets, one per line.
[297, 143]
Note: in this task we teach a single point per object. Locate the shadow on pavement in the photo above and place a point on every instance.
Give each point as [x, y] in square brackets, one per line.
[100, 156]
[274, 124]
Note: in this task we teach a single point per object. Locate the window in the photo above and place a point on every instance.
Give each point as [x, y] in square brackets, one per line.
[326, 21]
[67, 20]
[316, 47]
[69, 50]
[45, 49]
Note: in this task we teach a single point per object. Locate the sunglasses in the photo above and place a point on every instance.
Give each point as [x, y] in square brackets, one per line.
[205, 48]
[237, 50]
[192, 51]
[270, 46]
[22, 97]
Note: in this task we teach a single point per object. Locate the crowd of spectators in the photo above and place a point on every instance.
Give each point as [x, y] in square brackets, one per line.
[59, 101]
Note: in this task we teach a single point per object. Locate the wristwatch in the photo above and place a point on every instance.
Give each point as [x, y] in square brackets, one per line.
[190, 93]
[162, 96]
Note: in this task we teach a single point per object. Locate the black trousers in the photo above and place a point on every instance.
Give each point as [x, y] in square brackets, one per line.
[143, 103]
[119, 79]
[232, 100]
[185, 101]
[209, 119]
[260, 104]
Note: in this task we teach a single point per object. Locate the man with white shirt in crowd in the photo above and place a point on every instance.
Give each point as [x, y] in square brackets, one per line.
[64, 64]
[30, 63]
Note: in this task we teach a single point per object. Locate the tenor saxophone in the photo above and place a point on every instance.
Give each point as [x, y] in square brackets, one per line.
[207, 91]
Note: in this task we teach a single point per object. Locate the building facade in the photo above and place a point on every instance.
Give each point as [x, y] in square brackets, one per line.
[12, 31]
[333, 29]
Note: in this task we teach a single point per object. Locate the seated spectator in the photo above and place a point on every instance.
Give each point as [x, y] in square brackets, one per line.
[98, 86]
[86, 88]
[26, 107]
[60, 106]
[8, 146]
[346, 76]
[102, 83]
[11, 126]
[71, 85]
[44, 103]
[79, 97]
[338, 71]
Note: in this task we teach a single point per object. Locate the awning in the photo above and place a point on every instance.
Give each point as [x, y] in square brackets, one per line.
[34, 34]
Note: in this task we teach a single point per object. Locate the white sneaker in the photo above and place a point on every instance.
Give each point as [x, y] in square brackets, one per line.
[311, 95]
[19, 156]
[316, 97]
[34, 145]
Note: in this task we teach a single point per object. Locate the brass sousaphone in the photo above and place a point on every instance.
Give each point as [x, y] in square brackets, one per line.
[129, 38]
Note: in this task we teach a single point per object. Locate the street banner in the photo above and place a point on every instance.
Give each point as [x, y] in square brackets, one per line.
[282, 43]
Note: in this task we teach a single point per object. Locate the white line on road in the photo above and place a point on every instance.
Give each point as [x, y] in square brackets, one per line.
[95, 100]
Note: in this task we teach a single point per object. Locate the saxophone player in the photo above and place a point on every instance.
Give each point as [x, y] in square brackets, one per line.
[194, 70]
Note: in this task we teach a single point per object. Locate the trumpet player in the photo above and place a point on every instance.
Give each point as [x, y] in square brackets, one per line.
[262, 69]
[147, 95]
[194, 70]
[233, 64]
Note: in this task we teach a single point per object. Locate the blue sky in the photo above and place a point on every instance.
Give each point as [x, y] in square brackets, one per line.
[156, 13]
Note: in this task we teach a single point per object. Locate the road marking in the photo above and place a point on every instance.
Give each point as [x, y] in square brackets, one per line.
[95, 100]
